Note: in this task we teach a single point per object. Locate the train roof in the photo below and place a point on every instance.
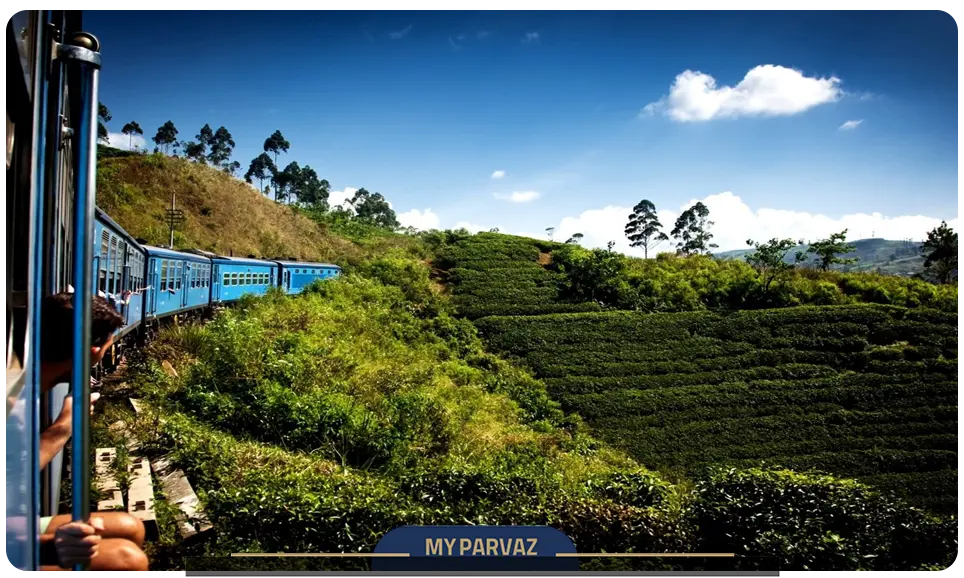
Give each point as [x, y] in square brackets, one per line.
[162, 252]
[305, 264]
[102, 216]
[243, 260]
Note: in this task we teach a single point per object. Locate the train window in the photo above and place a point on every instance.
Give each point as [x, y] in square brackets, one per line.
[225, 280]
[102, 265]
[248, 278]
[111, 266]
[178, 276]
[163, 274]
[234, 278]
[121, 258]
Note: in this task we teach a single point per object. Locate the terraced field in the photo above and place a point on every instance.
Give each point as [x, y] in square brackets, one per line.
[865, 391]
[494, 274]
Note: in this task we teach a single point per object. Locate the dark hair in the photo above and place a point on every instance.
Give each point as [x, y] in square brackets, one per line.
[57, 325]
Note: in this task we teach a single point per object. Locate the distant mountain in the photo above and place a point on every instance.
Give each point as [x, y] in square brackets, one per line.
[890, 257]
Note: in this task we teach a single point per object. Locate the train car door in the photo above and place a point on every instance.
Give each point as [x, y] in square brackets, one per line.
[215, 282]
[287, 280]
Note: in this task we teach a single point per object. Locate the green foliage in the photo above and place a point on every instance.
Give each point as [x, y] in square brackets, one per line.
[166, 136]
[692, 230]
[940, 250]
[644, 229]
[493, 274]
[103, 117]
[770, 259]
[131, 129]
[373, 208]
[860, 390]
[816, 522]
[222, 145]
[827, 250]
[261, 168]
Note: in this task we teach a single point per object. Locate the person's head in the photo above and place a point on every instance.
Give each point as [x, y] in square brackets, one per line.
[57, 333]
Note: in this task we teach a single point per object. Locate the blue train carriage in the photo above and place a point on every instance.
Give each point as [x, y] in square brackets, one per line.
[120, 271]
[178, 282]
[295, 275]
[236, 276]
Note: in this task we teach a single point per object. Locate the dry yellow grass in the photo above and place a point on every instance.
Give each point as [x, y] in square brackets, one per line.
[223, 214]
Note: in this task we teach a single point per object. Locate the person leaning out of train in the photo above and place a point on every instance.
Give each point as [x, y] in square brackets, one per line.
[108, 540]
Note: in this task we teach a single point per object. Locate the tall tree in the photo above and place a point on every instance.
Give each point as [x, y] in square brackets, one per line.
[308, 189]
[550, 231]
[374, 209]
[166, 136]
[576, 237]
[130, 129]
[103, 117]
[194, 151]
[826, 250]
[940, 253]
[644, 229]
[276, 143]
[286, 180]
[261, 168]
[222, 145]
[770, 259]
[693, 230]
[232, 168]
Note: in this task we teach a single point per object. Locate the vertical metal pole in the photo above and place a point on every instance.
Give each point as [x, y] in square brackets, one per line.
[84, 59]
[35, 271]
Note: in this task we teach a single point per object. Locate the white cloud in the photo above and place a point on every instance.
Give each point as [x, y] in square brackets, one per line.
[735, 222]
[517, 196]
[339, 198]
[482, 34]
[399, 34]
[127, 143]
[422, 220]
[473, 227]
[850, 124]
[530, 37]
[498, 174]
[766, 90]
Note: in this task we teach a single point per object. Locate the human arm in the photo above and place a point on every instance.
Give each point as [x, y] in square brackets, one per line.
[55, 437]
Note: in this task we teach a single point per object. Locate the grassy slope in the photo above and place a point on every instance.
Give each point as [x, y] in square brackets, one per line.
[223, 214]
[890, 257]
[654, 384]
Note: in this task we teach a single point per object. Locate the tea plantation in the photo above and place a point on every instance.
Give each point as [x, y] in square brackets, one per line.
[859, 389]
[864, 391]
[492, 274]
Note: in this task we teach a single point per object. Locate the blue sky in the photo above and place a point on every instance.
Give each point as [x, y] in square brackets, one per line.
[425, 106]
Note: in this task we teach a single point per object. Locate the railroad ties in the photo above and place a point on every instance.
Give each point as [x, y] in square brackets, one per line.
[176, 487]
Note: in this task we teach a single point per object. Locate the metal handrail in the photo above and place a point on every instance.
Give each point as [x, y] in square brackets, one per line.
[82, 54]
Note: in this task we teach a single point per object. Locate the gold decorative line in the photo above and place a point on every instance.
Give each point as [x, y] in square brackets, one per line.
[644, 555]
[322, 555]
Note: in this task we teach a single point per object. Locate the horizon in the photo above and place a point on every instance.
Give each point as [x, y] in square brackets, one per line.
[526, 120]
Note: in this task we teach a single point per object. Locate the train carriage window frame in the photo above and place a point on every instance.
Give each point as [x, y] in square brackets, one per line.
[102, 265]
[178, 275]
[226, 281]
[121, 262]
[111, 266]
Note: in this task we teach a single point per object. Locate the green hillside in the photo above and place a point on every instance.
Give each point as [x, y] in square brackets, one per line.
[861, 391]
[875, 255]
[322, 421]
